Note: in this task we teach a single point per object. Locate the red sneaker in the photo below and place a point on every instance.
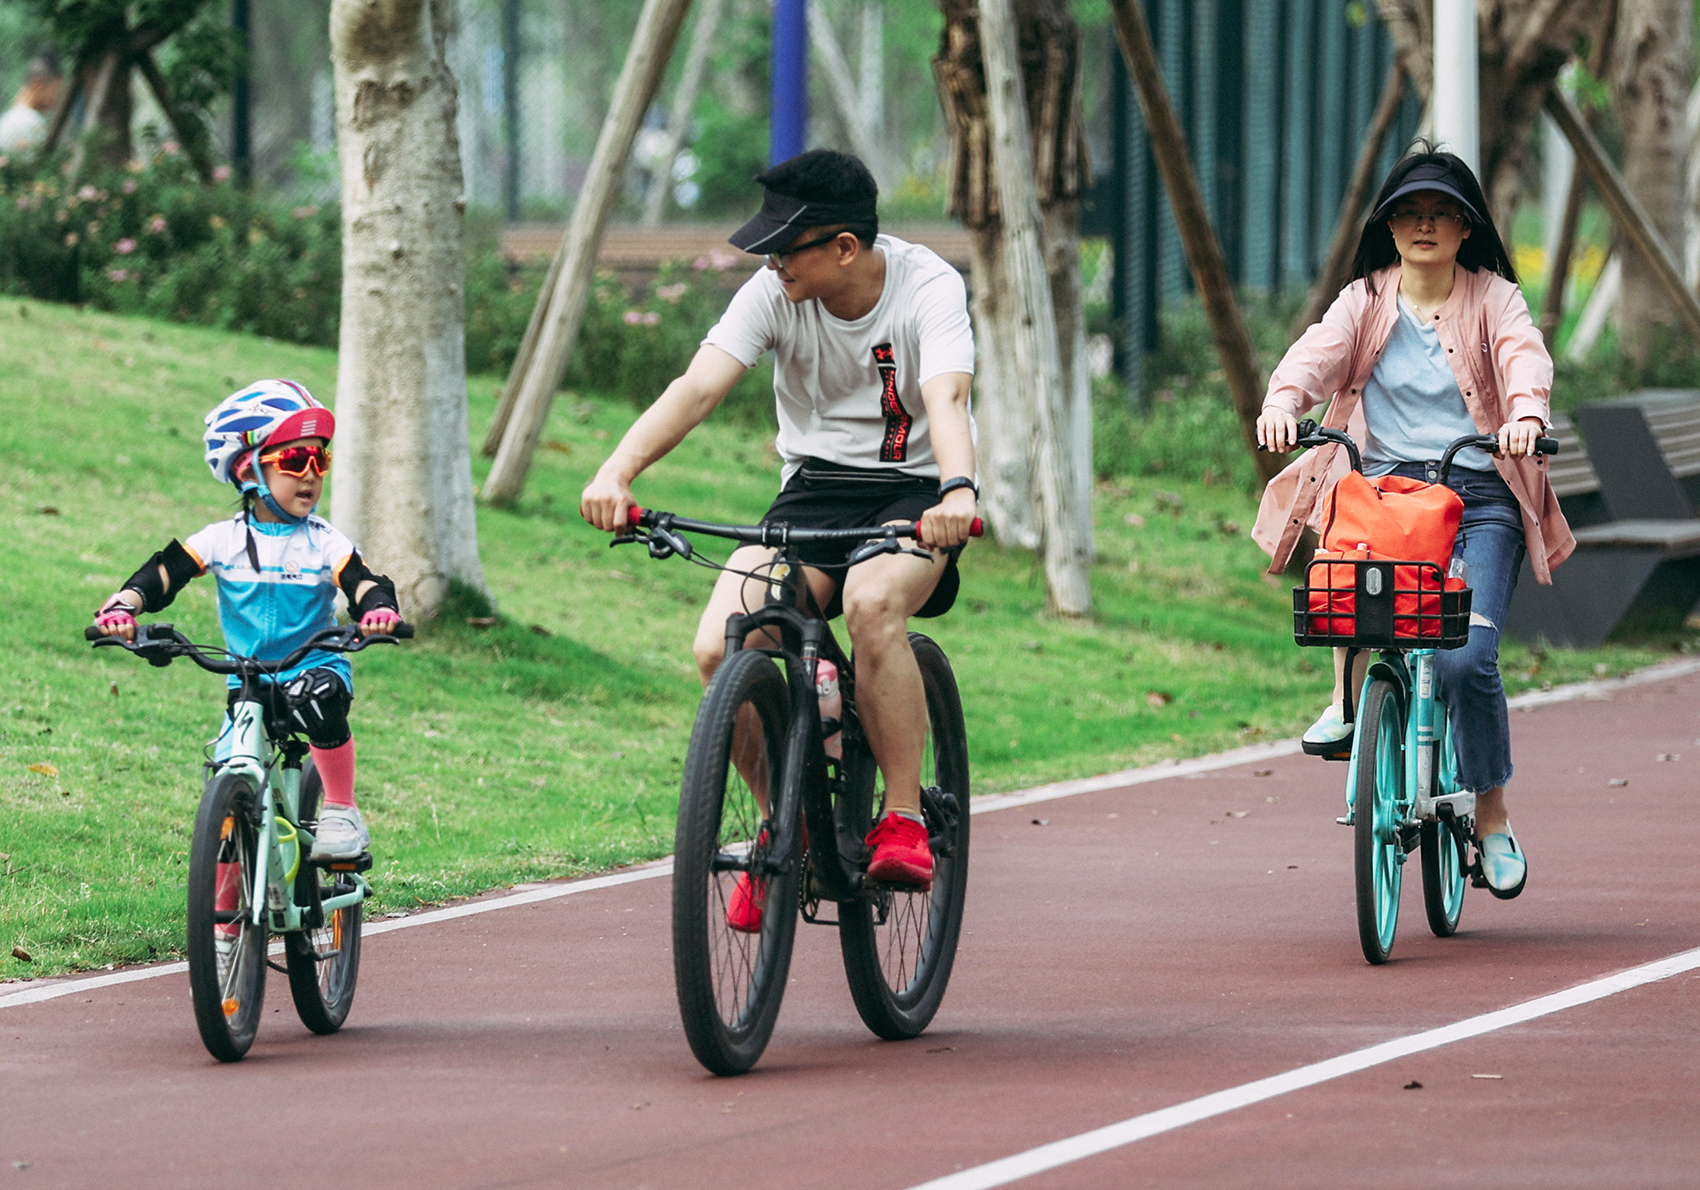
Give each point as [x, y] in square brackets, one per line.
[901, 854]
[743, 911]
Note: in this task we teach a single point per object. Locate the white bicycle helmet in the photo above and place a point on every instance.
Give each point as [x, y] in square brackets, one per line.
[253, 416]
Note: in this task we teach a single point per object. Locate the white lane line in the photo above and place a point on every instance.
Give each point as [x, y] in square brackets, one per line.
[1114, 1136]
[1251, 754]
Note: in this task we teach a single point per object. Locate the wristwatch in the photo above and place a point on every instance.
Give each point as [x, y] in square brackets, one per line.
[961, 481]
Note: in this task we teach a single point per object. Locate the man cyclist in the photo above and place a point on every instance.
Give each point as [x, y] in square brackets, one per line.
[874, 357]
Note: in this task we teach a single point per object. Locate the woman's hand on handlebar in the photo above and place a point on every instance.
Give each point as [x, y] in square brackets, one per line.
[947, 524]
[1277, 430]
[1517, 438]
[605, 502]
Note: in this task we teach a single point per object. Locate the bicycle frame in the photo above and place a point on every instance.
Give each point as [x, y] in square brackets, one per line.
[1412, 675]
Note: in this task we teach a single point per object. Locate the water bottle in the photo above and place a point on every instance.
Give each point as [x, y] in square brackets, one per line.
[831, 708]
[1459, 569]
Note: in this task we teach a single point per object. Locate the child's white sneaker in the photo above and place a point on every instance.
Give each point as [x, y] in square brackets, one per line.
[341, 834]
[1330, 735]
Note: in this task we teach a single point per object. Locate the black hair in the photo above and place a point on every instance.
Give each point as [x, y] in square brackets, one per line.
[1482, 250]
[829, 177]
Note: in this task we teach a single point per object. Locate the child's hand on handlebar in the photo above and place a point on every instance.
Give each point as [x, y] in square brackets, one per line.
[1517, 438]
[1277, 430]
[117, 617]
[380, 621]
[947, 524]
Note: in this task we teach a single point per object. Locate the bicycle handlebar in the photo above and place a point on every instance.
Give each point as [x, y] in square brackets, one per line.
[1310, 434]
[778, 534]
[160, 643]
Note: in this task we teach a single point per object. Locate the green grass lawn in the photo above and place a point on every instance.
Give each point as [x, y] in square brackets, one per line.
[551, 744]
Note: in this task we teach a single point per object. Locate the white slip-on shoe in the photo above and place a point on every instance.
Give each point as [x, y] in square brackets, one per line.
[1330, 735]
[1503, 865]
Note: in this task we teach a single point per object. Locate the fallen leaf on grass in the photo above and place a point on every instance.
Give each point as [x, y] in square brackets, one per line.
[1158, 698]
[1262, 772]
[1618, 782]
[1487, 1076]
[481, 621]
[1413, 1085]
[1134, 520]
[22, 955]
[44, 769]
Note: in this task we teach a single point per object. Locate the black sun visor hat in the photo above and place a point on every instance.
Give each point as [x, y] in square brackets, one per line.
[1431, 176]
[783, 218]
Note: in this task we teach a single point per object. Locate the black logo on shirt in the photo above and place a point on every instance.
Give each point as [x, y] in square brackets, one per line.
[894, 447]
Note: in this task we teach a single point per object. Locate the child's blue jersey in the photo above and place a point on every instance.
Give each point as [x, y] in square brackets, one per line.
[271, 614]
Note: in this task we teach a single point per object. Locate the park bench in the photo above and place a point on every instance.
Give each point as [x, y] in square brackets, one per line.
[1631, 499]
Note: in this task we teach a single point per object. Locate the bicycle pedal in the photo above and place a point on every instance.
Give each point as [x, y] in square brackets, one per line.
[360, 863]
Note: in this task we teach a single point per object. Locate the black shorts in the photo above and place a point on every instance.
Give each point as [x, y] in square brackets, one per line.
[825, 495]
[313, 703]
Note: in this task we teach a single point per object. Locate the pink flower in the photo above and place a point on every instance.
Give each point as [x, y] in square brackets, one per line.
[23, 202]
[171, 148]
[129, 186]
[221, 173]
[88, 194]
[117, 274]
[4, 161]
[632, 317]
[306, 212]
[672, 293]
[124, 246]
[156, 224]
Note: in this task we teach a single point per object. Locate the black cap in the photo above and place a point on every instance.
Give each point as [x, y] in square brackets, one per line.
[783, 218]
[1431, 175]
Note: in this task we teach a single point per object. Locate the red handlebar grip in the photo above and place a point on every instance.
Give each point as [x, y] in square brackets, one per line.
[977, 529]
[634, 517]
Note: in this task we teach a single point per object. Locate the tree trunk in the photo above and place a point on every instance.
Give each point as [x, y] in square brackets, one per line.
[1008, 417]
[1038, 348]
[684, 102]
[1649, 81]
[403, 482]
[1523, 45]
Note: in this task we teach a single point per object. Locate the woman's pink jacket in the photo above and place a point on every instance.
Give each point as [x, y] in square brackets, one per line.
[1503, 370]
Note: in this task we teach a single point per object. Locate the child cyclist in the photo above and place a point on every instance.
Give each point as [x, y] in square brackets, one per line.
[278, 568]
[1432, 342]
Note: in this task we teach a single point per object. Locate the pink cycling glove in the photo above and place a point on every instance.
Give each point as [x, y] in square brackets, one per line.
[116, 614]
[380, 619]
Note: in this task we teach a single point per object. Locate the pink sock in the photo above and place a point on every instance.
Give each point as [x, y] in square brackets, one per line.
[336, 770]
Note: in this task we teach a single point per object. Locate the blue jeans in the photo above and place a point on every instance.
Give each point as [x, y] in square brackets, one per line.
[1490, 539]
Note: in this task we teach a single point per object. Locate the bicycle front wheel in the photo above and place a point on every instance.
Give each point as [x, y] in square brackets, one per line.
[734, 919]
[1442, 850]
[899, 945]
[226, 947]
[1380, 778]
[323, 959]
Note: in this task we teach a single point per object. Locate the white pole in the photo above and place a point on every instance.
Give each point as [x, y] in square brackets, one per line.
[1556, 172]
[1457, 118]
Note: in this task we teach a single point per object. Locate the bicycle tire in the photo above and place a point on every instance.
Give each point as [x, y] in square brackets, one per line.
[1380, 776]
[899, 946]
[323, 959]
[228, 988]
[1443, 858]
[730, 983]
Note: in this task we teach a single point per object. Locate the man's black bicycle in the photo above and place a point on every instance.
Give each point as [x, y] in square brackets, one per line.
[763, 805]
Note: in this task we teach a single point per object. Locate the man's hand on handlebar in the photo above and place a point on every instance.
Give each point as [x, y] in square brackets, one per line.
[1517, 438]
[1277, 430]
[605, 501]
[949, 523]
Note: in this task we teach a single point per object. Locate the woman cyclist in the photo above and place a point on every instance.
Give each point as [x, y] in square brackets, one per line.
[1431, 342]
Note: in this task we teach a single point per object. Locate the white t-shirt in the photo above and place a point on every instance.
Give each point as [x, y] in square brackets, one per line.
[850, 392]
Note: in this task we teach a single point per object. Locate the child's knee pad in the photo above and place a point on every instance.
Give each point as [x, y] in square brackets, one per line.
[318, 702]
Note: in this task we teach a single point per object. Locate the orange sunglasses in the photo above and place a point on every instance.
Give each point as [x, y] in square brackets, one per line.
[296, 461]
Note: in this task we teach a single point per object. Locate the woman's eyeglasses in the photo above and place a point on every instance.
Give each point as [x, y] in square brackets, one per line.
[1405, 220]
[295, 461]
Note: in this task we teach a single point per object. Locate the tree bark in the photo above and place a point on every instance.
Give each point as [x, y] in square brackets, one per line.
[1523, 45]
[1649, 82]
[684, 101]
[1067, 522]
[1198, 238]
[830, 55]
[403, 481]
[564, 301]
[1050, 63]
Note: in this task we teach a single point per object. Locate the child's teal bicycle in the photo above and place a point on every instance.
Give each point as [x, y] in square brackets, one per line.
[252, 838]
[1402, 790]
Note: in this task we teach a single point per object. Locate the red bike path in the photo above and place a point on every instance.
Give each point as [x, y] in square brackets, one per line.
[1125, 951]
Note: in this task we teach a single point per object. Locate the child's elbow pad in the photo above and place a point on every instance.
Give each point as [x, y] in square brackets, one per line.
[179, 565]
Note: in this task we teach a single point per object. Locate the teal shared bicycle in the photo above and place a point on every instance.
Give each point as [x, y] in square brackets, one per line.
[252, 838]
[1402, 790]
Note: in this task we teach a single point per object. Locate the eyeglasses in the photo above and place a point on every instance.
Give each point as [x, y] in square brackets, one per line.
[777, 259]
[1405, 220]
[295, 461]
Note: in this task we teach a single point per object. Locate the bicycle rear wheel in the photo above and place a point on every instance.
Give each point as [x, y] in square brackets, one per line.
[1380, 778]
[226, 948]
[730, 981]
[323, 959]
[1443, 853]
[899, 945]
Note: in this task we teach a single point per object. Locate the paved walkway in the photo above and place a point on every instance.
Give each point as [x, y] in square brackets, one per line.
[1168, 956]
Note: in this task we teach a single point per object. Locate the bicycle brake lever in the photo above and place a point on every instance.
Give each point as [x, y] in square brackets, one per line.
[917, 553]
[624, 539]
[664, 543]
[869, 549]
